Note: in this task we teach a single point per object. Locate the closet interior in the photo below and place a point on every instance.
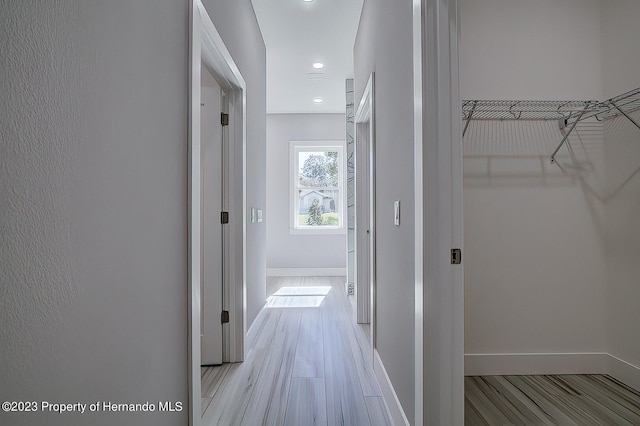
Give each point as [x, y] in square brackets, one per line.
[566, 113]
[551, 155]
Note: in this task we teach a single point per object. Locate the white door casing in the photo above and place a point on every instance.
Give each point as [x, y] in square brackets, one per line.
[207, 48]
[439, 285]
[365, 208]
[211, 191]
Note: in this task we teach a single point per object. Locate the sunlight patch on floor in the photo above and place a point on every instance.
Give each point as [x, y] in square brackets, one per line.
[298, 297]
[303, 291]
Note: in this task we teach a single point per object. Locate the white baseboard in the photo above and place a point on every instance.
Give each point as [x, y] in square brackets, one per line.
[627, 373]
[394, 409]
[536, 363]
[558, 363]
[307, 272]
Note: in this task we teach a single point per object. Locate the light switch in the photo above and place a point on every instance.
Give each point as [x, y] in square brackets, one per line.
[396, 213]
[252, 216]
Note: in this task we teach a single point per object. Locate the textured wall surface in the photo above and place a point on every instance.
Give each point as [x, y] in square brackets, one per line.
[93, 178]
[384, 45]
[93, 197]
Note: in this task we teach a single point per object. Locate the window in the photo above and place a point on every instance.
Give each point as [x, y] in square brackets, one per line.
[317, 194]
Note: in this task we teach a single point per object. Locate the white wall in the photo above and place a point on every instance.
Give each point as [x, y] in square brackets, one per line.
[237, 24]
[534, 262]
[286, 250]
[622, 156]
[93, 196]
[534, 271]
[622, 161]
[620, 39]
[520, 49]
[93, 210]
[384, 45]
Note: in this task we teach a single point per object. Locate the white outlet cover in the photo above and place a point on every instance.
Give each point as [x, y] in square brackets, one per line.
[396, 213]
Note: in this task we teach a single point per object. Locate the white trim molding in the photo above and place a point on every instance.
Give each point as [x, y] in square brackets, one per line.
[394, 408]
[439, 286]
[306, 272]
[365, 212]
[297, 147]
[206, 47]
[624, 371]
[534, 363]
[552, 363]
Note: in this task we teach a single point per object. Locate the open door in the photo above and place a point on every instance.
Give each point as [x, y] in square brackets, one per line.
[211, 287]
[207, 49]
[365, 209]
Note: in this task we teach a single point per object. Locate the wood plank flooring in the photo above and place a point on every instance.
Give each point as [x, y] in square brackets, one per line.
[550, 400]
[308, 363]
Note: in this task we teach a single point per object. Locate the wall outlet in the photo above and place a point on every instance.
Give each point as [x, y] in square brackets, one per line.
[259, 215]
[396, 213]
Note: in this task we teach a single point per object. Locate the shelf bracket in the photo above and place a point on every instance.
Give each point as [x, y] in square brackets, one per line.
[625, 114]
[564, 139]
[469, 119]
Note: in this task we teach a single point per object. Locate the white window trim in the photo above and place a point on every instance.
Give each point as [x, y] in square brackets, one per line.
[294, 148]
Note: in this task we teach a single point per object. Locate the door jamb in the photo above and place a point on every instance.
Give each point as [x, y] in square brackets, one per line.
[365, 211]
[439, 342]
[206, 47]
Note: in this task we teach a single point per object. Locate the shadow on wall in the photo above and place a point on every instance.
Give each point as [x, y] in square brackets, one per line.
[623, 137]
[510, 154]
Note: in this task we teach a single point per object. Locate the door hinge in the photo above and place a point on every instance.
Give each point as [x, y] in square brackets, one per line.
[456, 256]
[224, 317]
[224, 217]
[224, 119]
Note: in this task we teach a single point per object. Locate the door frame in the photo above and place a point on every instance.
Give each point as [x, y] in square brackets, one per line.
[211, 218]
[365, 201]
[439, 285]
[206, 47]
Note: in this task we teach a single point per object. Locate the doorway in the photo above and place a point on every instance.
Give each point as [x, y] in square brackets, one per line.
[213, 318]
[365, 210]
[207, 50]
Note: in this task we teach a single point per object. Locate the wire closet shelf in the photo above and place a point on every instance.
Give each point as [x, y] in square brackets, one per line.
[567, 113]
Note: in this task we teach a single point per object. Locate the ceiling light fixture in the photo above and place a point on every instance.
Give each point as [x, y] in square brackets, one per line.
[318, 65]
[307, 1]
[317, 100]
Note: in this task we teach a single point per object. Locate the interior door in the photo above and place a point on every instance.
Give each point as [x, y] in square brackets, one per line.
[365, 208]
[363, 223]
[212, 242]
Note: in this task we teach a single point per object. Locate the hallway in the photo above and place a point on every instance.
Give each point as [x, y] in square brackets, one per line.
[307, 364]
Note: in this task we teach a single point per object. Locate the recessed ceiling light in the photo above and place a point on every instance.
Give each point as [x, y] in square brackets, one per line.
[317, 100]
[318, 65]
[307, 1]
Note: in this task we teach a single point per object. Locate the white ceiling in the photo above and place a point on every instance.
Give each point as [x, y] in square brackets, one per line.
[297, 34]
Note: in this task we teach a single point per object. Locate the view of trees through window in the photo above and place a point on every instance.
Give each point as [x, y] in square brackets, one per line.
[318, 189]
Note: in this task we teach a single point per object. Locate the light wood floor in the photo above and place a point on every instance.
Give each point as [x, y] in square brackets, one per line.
[550, 400]
[307, 365]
